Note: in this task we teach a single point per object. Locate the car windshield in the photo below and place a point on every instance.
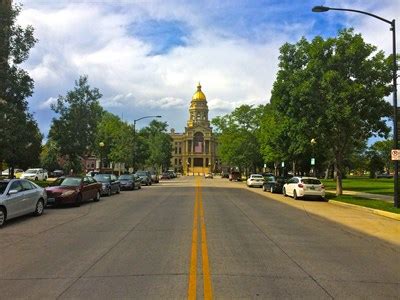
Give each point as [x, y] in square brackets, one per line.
[311, 181]
[3, 186]
[125, 177]
[31, 171]
[102, 177]
[141, 173]
[257, 176]
[71, 181]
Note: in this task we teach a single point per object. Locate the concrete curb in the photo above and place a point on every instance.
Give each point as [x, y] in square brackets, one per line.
[371, 210]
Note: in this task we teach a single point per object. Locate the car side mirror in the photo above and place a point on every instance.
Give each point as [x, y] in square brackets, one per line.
[12, 192]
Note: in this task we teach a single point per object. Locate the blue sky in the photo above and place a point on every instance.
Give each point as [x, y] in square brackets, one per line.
[146, 57]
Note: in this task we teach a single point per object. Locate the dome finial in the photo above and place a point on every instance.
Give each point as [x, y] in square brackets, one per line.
[199, 86]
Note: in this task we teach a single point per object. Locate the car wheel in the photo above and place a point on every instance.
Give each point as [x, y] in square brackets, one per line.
[97, 198]
[140, 186]
[36, 179]
[271, 189]
[118, 190]
[284, 192]
[109, 192]
[295, 195]
[78, 200]
[3, 216]
[39, 208]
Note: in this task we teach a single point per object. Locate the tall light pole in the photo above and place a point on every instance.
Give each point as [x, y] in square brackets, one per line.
[134, 139]
[394, 71]
[101, 145]
[313, 142]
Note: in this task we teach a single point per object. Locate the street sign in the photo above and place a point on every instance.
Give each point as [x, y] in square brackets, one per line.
[313, 161]
[395, 154]
[265, 165]
[283, 164]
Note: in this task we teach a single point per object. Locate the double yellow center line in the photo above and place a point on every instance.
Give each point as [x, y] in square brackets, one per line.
[199, 212]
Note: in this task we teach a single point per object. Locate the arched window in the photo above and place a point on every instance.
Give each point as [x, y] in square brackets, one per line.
[198, 140]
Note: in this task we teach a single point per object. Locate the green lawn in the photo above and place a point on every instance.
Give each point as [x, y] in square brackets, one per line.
[381, 186]
[376, 204]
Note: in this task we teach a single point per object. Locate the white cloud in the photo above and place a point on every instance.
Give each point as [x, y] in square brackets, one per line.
[76, 39]
[47, 104]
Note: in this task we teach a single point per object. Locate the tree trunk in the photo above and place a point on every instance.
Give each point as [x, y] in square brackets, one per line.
[294, 167]
[339, 187]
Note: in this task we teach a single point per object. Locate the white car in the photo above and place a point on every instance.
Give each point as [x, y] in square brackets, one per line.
[35, 174]
[298, 187]
[255, 180]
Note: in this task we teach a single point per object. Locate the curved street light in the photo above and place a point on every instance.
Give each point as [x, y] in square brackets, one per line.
[134, 138]
[395, 138]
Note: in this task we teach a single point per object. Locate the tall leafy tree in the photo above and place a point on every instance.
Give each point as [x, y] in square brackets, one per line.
[238, 132]
[18, 130]
[158, 143]
[117, 137]
[75, 129]
[332, 90]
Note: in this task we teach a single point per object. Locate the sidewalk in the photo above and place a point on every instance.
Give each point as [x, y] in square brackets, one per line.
[385, 198]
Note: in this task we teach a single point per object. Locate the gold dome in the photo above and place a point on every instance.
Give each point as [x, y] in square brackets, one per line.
[199, 95]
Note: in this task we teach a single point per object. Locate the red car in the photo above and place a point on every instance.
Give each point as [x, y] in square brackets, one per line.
[74, 190]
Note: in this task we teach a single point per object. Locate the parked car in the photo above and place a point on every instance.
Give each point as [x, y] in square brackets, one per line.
[154, 177]
[165, 175]
[235, 176]
[35, 174]
[109, 184]
[172, 173]
[304, 186]
[384, 175]
[17, 173]
[144, 176]
[20, 197]
[130, 182]
[73, 190]
[255, 180]
[208, 175]
[274, 184]
[224, 174]
[57, 173]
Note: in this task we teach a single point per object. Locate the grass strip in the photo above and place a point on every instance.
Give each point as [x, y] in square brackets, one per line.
[380, 186]
[370, 203]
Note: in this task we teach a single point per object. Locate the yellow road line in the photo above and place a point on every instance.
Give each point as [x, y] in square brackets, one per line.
[198, 207]
[193, 259]
[204, 252]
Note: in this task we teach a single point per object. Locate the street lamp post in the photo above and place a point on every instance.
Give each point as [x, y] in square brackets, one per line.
[101, 145]
[313, 142]
[394, 71]
[134, 139]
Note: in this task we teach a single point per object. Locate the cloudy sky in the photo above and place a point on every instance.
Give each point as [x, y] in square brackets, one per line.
[147, 56]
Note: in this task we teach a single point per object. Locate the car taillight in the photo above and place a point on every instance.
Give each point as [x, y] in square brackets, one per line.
[322, 187]
[300, 185]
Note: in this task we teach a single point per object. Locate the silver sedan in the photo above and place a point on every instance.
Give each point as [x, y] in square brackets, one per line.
[20, 197]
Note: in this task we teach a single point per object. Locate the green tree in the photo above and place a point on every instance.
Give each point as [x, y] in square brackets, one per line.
[18, 130]
[117, 137]
[238, 142]
[332, 90]
[158, 145]
[380, 151]
[49, 156]
[75, 129]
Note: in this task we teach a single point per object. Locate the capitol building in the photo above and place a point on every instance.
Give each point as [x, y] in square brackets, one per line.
[194, 151]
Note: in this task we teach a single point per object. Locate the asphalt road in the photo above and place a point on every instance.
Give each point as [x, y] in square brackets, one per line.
[192, 237]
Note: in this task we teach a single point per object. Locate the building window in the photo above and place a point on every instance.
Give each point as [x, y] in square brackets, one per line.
[176, 161]
[198, 141]
[176, 150]
[180, 150]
